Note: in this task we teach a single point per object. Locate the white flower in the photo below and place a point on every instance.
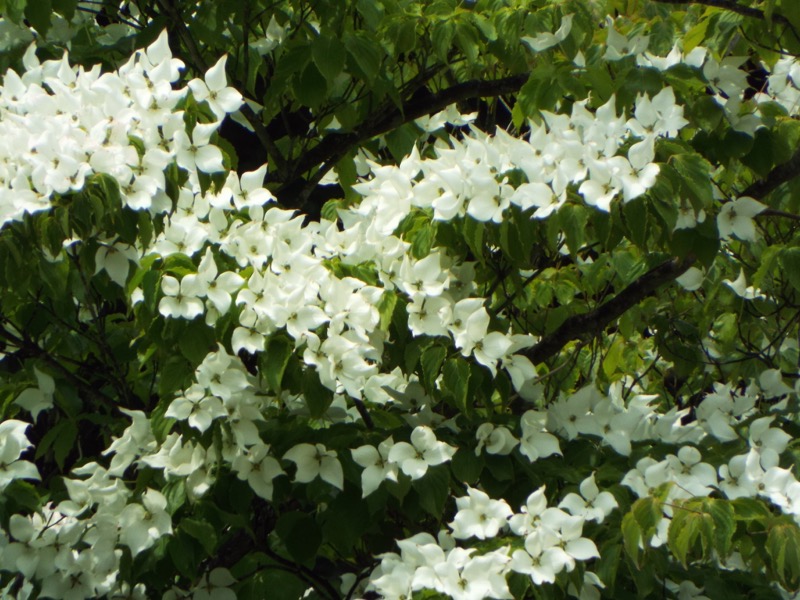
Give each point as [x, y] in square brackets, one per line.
[179, 300]
[593, 506]
[736, 218]
[316, 461]
[535, 442]
[740, 287]
[545, 40]
[142, 524]
[115, 260]
[423, 452]
[221, 99]
[479, 516]
[258, 468]
[40, 398]
[215, 586]
[498, 440]
[376, 465]
[13, 442]
[619, 46]
[195, 152]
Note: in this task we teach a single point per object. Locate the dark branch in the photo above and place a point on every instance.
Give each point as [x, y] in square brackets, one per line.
[335, 146]
[777, 177]
[598, 319]
[200, 65]
[733, 7]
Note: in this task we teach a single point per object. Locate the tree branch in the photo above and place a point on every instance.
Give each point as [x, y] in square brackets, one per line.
[335, 146]
[196, 56]
[777, 177]
[733, 7]
[595, 321]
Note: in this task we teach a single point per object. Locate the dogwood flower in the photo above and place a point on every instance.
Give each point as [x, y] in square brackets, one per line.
[213, 90]
[258, 468]
[736, 218]
[13, 442]
[141, 525]
[479, 516]
[424, 451]
[377, 466]
[39, 398]
[316, 461]
[592, 504]
[546, 40]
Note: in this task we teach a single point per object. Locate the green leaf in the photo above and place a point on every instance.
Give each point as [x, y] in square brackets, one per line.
[648, 513]
[66, 8]
[695, 36]
[573, 219]
[273, 362]
[749, 509]
[175, 493]
[722, 513]
[473, 234]
[300, 534]
[431, 361]
[175, 375]
[196, 341]
[433, 490]
[329, 56]
[272, 583]
[15, 10]
[695, 175]
[456, 381]
[180, 548]
[386, 306]
[364, 56]
[64, 429]
[310, 88]
[790, 261]
[318, 398]
[466, 465]
[631, 536]
[203, 532]
[64, 442]
[783, 548]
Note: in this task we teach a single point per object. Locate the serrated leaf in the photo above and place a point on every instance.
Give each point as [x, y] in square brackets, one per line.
[682, 533]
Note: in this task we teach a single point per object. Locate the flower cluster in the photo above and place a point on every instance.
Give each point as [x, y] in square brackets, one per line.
[551, 537]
